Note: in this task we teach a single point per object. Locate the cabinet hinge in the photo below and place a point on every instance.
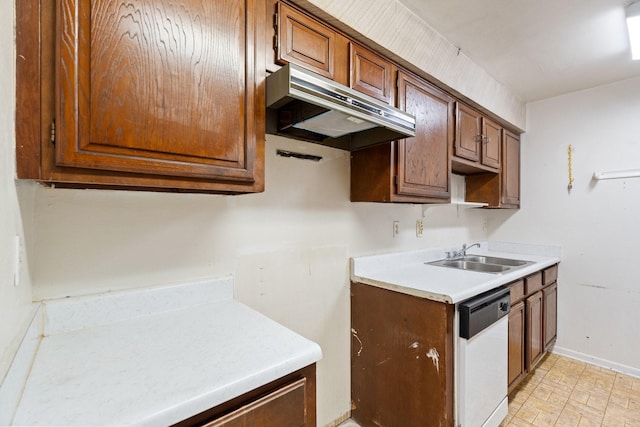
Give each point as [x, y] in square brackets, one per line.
[395, 179]
[53, 132]
[275, 27]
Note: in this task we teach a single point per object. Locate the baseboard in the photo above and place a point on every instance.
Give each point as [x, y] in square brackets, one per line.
[344, 417]
[12, 384]
[623, 369]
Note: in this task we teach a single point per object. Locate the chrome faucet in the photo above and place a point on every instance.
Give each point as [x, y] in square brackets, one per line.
[462, 252]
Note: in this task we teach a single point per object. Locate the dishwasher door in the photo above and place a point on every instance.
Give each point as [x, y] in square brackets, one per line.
[482, 361]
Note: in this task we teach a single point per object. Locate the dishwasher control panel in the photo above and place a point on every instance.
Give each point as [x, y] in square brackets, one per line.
[480, 312]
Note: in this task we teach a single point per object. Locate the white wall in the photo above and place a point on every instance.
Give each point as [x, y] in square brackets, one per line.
[596, 224]
[288, 247]
[14, 300]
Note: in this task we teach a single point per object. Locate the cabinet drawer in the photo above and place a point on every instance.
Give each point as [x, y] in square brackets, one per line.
[517, 291]
[533, 283]
[285, 407]
[550, 275]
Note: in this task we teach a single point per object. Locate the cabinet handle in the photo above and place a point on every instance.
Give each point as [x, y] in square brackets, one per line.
[479, 138]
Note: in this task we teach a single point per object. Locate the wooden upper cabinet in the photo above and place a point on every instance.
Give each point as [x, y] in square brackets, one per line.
[478, 142]
[468, 133]
[411, 170]
[499, 190]
[491, 143]
[305, 41]
[371, 74]
[423, 161]
[152, 87]
[510, 174]
[150, 94]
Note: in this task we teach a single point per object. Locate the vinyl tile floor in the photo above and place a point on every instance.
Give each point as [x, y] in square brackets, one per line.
[564, 392]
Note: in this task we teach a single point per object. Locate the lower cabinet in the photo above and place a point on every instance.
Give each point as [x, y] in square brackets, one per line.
[402, 349]
[287, 402]
[517, 369]
[401, 359]
[550, 313]
[532, 322]
[534, 342]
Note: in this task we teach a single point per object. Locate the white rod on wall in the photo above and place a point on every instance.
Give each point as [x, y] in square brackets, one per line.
[635, 173]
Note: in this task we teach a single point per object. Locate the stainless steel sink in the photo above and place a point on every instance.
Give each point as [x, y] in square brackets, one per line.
[480, 263]
[496, 260]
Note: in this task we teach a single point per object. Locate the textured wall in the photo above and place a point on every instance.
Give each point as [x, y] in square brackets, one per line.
[596, 224]
[14, 300]
[405, 36]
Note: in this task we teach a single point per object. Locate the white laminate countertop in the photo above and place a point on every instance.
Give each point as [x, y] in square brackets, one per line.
[153, 357]
[407, 272]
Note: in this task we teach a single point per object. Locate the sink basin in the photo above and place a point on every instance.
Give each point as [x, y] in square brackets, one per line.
[481, 263]
[471, 265]
[495, 260]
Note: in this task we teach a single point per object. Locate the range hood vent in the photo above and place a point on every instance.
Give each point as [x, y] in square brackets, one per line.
[306, 106]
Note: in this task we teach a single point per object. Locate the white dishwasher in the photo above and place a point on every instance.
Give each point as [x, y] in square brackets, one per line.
[482, 360]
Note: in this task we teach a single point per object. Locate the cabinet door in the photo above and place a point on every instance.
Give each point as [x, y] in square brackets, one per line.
[468, 133]
[284, 407]
[305, 42]
[550, 306]
[159, 87]
[401, 359]
[535, 339]
[516, 344]
[371, 74]
[423, 162]
[510, 174]
[491, 143]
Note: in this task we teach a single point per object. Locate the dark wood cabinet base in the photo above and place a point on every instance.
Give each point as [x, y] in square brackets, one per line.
[401, 359]
[287, 402]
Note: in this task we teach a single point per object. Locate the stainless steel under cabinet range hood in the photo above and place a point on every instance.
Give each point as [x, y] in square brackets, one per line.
[304, 105]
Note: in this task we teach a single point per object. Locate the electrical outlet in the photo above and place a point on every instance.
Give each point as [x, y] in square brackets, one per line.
[419, 228]
[396, 228]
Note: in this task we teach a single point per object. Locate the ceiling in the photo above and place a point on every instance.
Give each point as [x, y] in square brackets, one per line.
[537, 48]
